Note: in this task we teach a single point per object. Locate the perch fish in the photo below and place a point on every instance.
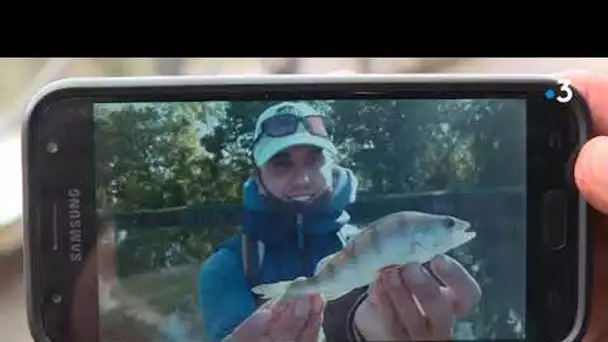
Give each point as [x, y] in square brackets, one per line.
[399, 238]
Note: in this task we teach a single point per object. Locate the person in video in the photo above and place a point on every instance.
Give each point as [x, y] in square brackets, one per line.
[294, 216]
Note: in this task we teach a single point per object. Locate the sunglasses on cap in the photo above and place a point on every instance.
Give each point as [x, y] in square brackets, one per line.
[287, 124]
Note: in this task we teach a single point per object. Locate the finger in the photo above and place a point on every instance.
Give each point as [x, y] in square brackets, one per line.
[268, 305]
[464, 291]
[314, 322]
[378, 286]
[398, 327]
[591, 172]
[292, 320]
[434, 304]
[253, 328]
[400, 301]
[593, 88]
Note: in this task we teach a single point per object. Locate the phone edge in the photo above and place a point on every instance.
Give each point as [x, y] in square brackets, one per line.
[582, 112]
[34, 316]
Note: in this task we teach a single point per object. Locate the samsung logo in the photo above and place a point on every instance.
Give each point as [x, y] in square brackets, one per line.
[75, 224]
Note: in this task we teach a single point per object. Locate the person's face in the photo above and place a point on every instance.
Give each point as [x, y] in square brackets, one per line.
[297, 173]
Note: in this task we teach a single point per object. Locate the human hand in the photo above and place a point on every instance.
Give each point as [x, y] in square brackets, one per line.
[391, 313]
[294, 320]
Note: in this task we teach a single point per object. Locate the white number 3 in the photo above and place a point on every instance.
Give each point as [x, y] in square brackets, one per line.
[566, 91]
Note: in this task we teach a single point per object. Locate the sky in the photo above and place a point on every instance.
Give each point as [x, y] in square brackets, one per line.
[204, 127]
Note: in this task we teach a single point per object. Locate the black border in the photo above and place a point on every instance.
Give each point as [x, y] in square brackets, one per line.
[548, 271]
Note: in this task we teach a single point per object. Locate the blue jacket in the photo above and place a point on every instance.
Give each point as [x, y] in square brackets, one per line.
[293, 245]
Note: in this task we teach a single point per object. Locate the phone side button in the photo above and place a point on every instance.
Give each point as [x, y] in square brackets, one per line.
[554, 219]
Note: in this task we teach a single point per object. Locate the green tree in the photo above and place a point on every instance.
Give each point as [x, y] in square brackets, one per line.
[150, 157]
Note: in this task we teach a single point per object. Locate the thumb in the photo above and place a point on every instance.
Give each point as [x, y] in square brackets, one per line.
[377, 288]
[590, 172]
[464, 291]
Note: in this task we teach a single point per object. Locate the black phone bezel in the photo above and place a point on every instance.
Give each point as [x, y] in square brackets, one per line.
[557, 280]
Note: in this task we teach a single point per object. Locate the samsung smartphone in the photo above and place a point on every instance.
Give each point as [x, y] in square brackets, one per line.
[155, 206]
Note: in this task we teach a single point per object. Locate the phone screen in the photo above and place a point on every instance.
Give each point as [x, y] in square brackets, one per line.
[178, 185]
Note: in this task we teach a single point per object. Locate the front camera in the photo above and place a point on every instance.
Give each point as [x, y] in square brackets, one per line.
[52, 147]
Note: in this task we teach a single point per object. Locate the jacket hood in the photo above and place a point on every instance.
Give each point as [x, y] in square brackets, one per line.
[268, 224]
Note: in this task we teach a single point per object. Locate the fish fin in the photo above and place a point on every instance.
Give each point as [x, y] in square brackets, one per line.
[272, 291]
[323, 262]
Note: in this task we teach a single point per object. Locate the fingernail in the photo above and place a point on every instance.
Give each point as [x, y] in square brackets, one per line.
[319, 304]
[443, 262]
[374, 289]
[416, 274]
[372, 296]
[302, 307]
[395, 277]
[316, 301]
[379, 279]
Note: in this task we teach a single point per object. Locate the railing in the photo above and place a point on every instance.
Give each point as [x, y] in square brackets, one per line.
[161, 237]
[467, 204]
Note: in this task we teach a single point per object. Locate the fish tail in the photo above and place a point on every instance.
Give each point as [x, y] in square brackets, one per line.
[272, 291]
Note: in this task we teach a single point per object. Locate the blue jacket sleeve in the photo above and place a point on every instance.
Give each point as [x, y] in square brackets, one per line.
[224, 295]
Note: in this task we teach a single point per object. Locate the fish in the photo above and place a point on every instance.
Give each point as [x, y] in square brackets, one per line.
[399, 238]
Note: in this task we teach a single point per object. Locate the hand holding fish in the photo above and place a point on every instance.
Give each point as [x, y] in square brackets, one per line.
[391, 313]
[288, 320]
[402, 238]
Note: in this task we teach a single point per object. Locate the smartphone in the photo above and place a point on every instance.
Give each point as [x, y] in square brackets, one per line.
[156, 207]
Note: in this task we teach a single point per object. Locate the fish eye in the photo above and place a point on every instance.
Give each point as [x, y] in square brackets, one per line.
[450, 222]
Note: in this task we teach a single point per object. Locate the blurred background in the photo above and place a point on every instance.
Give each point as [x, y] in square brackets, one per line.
[21, 78]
